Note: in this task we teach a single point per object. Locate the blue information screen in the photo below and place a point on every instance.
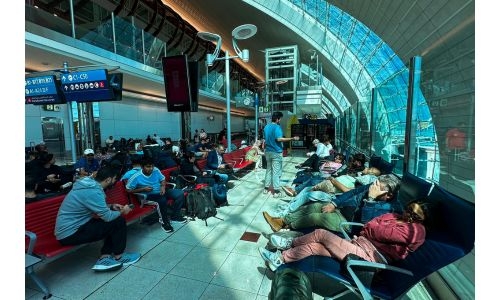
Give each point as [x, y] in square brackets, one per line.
[41, 90]
[86, 86]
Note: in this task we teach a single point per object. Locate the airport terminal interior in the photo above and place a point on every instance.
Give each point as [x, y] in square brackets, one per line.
[393, 80]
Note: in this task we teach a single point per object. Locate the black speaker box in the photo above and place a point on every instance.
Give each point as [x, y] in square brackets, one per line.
[177, 83]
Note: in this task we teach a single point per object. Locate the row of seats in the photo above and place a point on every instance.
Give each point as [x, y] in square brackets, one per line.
[40, 220]
[450, 236]
[236, 158]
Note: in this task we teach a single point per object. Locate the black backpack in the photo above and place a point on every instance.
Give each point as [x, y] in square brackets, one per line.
[201, 204]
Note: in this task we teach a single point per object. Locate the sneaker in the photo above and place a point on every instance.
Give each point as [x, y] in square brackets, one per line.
[280, 242]
[107, 264]
[273, 259]
[266, 235]
[289, 191]
[129, 258]
[231, 184]
[167, 228]
[179, 220]
[277, 194]
[66, 185]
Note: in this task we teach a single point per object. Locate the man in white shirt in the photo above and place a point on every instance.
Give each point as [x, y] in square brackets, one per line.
[110, 141]
[158, 140]
[321, 152]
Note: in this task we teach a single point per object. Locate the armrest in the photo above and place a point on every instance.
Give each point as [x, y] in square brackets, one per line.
[32, 241]
[344, 224]
[189, 178]
[142, 198]
[230, 162]
[172, 185]
[371, 265]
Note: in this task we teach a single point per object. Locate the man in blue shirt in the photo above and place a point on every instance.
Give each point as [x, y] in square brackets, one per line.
[274, 153]
[86, 165]
[215, 161]
[151, 182]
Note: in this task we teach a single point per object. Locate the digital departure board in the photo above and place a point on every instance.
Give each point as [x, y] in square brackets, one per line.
[41, 90]
[86, 86]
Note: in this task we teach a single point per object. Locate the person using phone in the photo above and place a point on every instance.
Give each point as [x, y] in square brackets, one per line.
[76, 221]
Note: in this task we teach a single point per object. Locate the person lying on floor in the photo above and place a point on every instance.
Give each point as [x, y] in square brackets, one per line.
[359, 205]
[385, 239]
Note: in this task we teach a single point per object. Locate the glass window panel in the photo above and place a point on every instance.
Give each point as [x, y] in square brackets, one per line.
[322, 10]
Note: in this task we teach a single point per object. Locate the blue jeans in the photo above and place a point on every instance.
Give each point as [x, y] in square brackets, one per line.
[273, 170]
[307, 195]
[177, 195]
[309, 182]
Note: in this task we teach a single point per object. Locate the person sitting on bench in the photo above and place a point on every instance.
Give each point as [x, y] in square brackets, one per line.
[151, 182]
[77, 224]
[215, 162]
[312, 162]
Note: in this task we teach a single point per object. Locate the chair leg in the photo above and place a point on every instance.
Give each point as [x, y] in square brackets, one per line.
[41, 285]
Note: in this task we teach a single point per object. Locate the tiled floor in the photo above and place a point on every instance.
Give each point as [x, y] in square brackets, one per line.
[218, 261]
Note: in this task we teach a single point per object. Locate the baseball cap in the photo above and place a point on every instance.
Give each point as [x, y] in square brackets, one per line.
[243, 142]
[316, 141]
[88, 151]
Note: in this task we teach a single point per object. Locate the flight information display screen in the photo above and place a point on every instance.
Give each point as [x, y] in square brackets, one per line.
[42, 90]
[86, 86]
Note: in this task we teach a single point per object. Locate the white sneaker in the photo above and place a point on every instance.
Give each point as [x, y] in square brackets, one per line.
[273, 259]
[282, 243]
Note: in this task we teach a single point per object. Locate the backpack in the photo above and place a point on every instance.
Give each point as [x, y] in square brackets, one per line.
[201, 203]
[290, 283]
[219, 191]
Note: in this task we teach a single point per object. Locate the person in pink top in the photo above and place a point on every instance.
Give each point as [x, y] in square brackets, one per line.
[387, 238]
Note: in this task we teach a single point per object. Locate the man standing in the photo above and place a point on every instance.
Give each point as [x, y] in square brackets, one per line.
[76, 222]
[273, 135]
